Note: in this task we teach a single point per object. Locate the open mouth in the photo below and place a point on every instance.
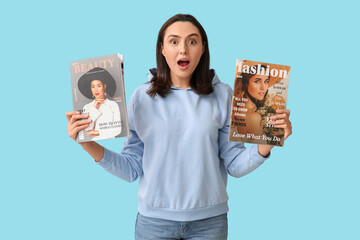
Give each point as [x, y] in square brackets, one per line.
[183, 63]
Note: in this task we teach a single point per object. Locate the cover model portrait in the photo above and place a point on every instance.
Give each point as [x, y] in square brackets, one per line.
[99, 85]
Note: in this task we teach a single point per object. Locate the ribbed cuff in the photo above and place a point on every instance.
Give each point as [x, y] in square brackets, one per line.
[255, 155]
[106, 161]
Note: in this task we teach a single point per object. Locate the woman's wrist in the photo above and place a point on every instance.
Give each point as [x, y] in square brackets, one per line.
[95, 150]
[264, 150]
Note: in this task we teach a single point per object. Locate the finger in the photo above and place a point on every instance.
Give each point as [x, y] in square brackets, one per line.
[277, 122]
[75, 131]
[278, 116]
[88, 133]
[82, 122]
[76, 124]
[284, 126]
[70, 114]
[286, 111]
[75, 118]
[78, 128]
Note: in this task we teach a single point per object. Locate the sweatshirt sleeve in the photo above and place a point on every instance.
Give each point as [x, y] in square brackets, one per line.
[126, 165]
[238, 160]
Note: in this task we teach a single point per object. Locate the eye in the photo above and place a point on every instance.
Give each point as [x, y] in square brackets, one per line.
[267, 81]
[173, 42]
[192, 41]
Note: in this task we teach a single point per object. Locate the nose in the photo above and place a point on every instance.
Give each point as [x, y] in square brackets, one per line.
[262, 86]
[183, 48]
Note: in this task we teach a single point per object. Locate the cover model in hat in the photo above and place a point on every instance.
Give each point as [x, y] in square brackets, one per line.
[84, 83]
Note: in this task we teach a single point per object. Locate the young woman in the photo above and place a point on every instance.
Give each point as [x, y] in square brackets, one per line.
[101, 109]
[178, 147]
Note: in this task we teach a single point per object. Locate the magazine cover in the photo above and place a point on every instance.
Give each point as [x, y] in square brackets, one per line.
[259, 90]
[98, 90]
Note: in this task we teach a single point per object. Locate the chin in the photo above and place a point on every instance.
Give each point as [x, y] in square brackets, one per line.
[183, 75]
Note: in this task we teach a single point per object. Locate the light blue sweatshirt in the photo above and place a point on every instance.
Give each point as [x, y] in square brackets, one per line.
[178, 147]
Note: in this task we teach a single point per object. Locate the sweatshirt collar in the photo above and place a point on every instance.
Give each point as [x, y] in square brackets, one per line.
[215, 78]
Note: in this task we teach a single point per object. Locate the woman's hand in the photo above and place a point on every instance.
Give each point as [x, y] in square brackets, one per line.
[75, 124]
[98, 102]
[281, 120]
[92, 133]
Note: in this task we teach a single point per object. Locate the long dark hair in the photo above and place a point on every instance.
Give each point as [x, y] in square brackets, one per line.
[201, 80]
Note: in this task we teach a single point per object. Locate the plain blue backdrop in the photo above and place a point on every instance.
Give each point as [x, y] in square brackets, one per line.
[51, 189]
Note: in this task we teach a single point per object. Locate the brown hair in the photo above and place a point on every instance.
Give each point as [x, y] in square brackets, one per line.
[243, 92]
[201, 80]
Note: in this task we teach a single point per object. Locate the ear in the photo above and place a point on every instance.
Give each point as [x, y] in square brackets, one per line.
[162, 50]
[104, 85]
[203, 48]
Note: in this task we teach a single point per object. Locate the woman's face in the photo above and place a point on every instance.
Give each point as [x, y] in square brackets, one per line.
[97, 89]
[182, 49]
[258, 86]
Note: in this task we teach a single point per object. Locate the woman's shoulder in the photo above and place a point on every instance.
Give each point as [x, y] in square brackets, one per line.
[223, 92]
[222, 87]
[110, 102]
[140, 93]
[141, 90]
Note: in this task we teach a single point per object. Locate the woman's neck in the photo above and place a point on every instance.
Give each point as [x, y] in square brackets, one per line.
[250, 105]
[182, 83]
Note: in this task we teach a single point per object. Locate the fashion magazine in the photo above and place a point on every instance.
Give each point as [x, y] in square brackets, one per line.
[259, 90]
[98, 90]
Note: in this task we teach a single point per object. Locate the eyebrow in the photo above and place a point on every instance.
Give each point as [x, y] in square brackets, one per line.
[177, 36]
[260, 79]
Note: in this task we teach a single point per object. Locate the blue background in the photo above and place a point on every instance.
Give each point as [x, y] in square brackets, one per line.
[51, 189]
